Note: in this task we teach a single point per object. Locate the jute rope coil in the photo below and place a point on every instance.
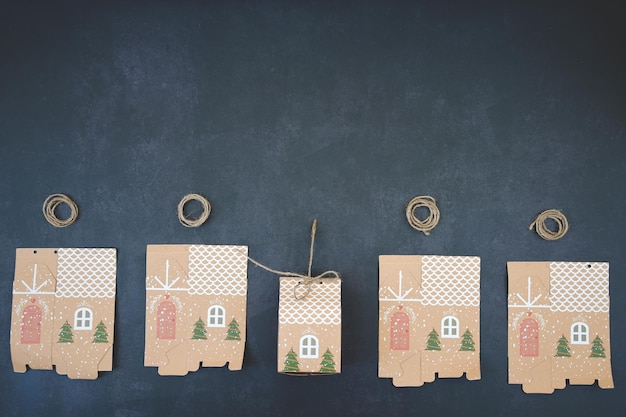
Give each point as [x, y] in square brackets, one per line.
[540, 224]
[428, 224]
[307, 279]
[50, 205]
[189, 222]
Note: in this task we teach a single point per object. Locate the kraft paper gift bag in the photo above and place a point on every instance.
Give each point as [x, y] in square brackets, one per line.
[309, 326]
[63, 311]
[429, 318]
[196, 299]
[558, 325]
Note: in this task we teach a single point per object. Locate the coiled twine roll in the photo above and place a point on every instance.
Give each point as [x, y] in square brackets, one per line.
[50, 205]
[428, 224]
[540, 224]
[189, 222]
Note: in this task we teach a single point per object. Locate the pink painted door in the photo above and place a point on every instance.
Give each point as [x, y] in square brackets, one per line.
[31, 325]
[166, 320]
[529, 338]
[399, 331]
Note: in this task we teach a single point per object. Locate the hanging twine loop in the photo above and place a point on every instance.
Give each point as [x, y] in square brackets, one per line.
[542, 230]
[428, 224]
[307, 279]
[189, 222]
[50, 205]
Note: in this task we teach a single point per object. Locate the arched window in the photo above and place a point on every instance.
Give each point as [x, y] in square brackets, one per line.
[82, 319]
[580, 334]
[399, 331]
[449, 327]
[217, 317]
[31, 325]
[529, 338]
[309, 346]
[166, 320]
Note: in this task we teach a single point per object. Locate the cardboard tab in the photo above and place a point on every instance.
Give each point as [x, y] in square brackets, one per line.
[309, 328]
[196, 298]
[63, 311]
[558, 316]
[429, 318]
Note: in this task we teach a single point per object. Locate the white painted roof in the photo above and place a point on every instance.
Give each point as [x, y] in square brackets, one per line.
[450, 281]
[86, 273]
[218, 270]
[322, 305]
[579, 286]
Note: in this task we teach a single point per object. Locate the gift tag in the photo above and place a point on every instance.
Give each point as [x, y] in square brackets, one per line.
[558, 325]
[195, 307]
[429, 318]
[309, 326]
[64, 310]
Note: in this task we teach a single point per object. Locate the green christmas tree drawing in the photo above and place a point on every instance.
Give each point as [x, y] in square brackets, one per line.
[467, 344]
[199, 332]
[101, 335]
[66, 335]
[291, 363]
[233, 331]
[562, 349]
[328, 363]
[597, 349]
[433, 341]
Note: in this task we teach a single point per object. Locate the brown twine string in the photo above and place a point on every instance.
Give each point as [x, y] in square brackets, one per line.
[206, 210]
[50, 205]
[307, 279]
[540, 224]
[428, 224]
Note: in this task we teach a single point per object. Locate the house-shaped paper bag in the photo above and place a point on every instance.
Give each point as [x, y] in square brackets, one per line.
[309, 326]
[195, 307]
[559, 325]
[64, 310]
[429, 318]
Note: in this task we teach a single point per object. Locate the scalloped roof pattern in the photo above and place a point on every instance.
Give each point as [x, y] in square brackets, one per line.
[450, 281]
[321, 306]
[86, 273]
[579, 287]
[218, 270]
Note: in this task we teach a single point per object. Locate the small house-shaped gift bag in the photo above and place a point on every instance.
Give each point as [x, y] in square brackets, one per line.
[195, 307]
[559, 325]
[309, 326]
[63, 311]
[429, 318]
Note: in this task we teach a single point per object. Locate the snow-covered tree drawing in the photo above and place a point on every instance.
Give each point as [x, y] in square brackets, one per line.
[199, 331]
[101, 335]
[467, 344]
[433, 342]
[291, 363]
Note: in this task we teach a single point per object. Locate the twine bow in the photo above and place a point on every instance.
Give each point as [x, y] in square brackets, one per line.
[307, 279]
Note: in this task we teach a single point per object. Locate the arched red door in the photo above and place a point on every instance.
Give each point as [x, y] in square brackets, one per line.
[166, 320]
[400, 331]
[529, 338]
[31, 325]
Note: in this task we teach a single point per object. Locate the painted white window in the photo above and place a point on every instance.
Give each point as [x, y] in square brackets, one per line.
[82, 319]
[449, 327]
[309, 346]
[580, 334]
[217, 317]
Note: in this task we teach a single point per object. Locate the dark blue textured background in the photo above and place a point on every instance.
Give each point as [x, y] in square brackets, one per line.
[280, 112]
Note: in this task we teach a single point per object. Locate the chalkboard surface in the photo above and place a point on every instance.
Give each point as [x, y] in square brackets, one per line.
[281, 112]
